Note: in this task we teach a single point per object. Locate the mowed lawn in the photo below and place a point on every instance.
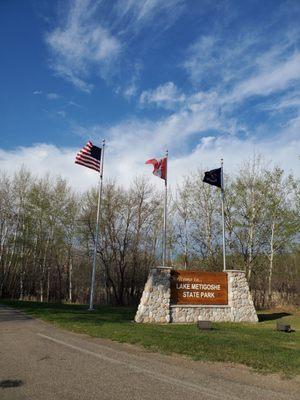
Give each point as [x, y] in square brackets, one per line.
[258, 346]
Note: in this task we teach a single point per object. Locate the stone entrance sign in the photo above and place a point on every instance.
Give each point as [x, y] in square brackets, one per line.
[189, 296]
[197, 287]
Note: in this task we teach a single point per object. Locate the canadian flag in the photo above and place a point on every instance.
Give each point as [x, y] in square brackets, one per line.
[160, 167]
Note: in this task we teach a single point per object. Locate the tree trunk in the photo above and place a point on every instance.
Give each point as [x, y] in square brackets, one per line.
[21, 285]
[43, 271]
[70, 279]
[271, 259]
[185, 245]
[250, 252]
[48, 283]
[41, 291]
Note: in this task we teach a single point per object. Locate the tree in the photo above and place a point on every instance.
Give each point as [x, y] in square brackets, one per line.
[205, 225]
[182, 206]
[280, 216]
[245, 212]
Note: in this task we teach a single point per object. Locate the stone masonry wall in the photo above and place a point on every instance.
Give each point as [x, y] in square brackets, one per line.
[240, 298]
[184, 314]
[155, 301]
[155, 304]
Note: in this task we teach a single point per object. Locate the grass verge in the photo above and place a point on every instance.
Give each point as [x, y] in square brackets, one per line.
[258, 346]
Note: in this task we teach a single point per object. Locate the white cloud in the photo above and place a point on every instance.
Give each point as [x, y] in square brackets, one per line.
[143, 12]
[81, 44]
[271, 79]
[53, 96]
[195, 114]
[166, 95]
[62, 113]
[130, 91]
[200, 113]
[74, 104]
[290, 100]
[37, 92]
[276, 151]
[212, 61]
[66, 72]
[123, 162]
[251, 66]
[41, 159]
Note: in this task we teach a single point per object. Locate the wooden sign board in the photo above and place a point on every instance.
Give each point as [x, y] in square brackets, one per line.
[197, 287]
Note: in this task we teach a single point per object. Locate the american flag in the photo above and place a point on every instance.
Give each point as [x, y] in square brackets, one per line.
[89, 156]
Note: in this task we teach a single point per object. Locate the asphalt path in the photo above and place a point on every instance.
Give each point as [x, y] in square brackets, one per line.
[40, 361]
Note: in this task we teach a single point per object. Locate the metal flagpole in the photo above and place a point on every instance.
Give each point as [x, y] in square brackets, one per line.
[91, 308]
[223, 218]
[165, 214]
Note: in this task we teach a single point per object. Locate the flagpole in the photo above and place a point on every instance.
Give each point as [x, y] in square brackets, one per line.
[91, 307]
[165, 214]
[223, 217]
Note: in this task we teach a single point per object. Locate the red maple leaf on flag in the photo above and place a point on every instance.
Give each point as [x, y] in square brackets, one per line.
[159, 167]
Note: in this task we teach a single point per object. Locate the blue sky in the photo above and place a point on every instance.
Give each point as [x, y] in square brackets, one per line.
[204, 79]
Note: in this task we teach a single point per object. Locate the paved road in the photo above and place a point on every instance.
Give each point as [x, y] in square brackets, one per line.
[42, 362]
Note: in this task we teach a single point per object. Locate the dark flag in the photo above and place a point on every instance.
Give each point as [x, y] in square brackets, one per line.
[89, 156]
[213, 177]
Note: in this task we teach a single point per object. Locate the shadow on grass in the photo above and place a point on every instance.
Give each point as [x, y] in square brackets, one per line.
[271, 317]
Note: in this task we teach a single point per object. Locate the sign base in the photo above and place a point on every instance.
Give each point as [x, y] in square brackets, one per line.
[159, 305]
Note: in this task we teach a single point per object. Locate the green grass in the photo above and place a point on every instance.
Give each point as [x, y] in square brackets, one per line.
[258, 346]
